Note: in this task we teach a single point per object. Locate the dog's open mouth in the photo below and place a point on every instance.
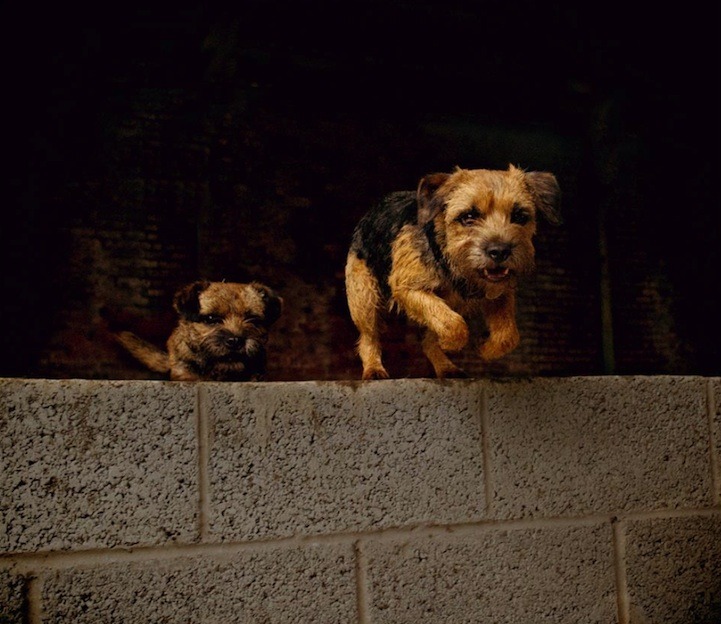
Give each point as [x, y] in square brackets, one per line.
[496, 274]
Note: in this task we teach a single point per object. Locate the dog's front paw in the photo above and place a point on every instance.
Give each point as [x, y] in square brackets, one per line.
[453, 333]
[374, 373]
[452, 373]
[497, 346]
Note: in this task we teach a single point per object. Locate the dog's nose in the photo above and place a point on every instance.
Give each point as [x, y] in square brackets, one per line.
[498, 252]
[234, 342]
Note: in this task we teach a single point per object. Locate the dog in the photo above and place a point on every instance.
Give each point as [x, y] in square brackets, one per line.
[221, 333]
[449, 252]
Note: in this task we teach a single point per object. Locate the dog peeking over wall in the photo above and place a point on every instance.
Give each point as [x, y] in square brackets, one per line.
[221, 334]
[450, 251]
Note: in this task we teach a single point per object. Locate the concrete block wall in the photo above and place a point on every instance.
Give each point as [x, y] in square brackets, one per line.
[580, 499]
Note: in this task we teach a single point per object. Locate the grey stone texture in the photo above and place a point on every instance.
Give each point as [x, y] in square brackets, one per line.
[12, 598]
[716, 436]
[283, 585]
[585, 445]
[88, 464]
[560, 575]
[674, 570]
[579, 500]
[308, 458]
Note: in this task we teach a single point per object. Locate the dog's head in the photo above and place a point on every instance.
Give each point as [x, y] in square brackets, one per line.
[226, 321]
[485, 220]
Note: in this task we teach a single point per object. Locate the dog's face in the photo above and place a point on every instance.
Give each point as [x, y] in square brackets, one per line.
[224, 321]
[485, 220]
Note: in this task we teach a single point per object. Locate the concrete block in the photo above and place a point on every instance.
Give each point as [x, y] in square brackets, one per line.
[716, 436]
[555, 574]
[597, 445]
[317, 457]
[281, 585]
[674, 570]
[12, 598]
[90, 464]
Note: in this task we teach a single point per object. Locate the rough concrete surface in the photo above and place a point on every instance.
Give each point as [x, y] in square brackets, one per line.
[569, 500]
[12, 598]
[674, 570]
[715, 396]
[89, 464]
[284, 585]
[300, 458]
[559, 575]
[588, 445]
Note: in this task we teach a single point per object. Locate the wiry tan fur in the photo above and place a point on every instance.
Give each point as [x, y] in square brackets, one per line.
[221, 334]
[456, 253]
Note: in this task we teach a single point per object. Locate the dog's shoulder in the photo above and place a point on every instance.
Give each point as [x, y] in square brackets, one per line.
[381, 224]
[376, 231]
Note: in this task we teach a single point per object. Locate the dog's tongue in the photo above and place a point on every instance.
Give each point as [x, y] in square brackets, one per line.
[495, 274]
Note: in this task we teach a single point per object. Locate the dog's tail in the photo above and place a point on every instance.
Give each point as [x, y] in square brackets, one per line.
[154, 358]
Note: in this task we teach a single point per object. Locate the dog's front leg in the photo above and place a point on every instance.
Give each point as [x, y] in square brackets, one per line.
[429, 310]
[500, 316]
[442, 366]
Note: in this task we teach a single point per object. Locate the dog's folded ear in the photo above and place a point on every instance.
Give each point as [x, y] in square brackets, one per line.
[429, 202]
[544, 187]
[186, 301]
[272, 301]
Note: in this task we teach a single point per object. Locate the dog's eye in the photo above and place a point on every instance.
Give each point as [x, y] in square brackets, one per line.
[211, 319]
[469, 217]
[254, 320]
[520, 216]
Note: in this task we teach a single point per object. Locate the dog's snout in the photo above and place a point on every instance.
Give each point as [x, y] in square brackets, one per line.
[498, 252]
[234, 342]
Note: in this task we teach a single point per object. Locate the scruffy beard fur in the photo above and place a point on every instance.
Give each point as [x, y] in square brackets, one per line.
[221, 334]
[450, 251]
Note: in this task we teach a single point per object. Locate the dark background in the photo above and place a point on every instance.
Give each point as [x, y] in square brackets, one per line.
[148, 146]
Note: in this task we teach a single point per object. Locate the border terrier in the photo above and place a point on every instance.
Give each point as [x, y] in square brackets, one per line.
[221, 334]
[450, 252]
